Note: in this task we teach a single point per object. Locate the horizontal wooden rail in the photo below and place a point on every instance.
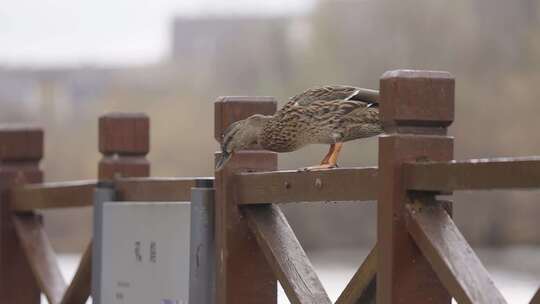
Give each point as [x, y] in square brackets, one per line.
[155, 189]
[40, 256]
[347, 184]
[363, 285]
[449, 254]
[53, 195]
[474, 174]
[81, 193]
[285, 255]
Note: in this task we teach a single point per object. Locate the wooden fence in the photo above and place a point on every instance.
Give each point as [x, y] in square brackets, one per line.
[420, 256]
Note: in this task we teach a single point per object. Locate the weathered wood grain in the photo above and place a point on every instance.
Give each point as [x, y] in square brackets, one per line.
[363, 285]
[399, 257]
[80, 288]
[243, 275]
[416, 107]
[40, 255]
[454, 261]
[124, 133]
[285, 255]
[414, 98]
[474, 174]
[347, 184]
[154, 189]
[21, 149]
[53, 195]
[124, 141]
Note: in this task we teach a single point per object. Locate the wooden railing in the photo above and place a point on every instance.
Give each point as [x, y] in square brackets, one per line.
[420, 255]
[29, 265]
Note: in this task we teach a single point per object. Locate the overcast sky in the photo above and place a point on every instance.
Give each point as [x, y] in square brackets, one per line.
[65, 32]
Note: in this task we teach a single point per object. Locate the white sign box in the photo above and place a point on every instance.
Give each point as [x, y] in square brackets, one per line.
[144, 253]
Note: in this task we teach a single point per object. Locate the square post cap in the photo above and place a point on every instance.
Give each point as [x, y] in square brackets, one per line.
[124, 133]
[228, 109]
[416, 98]
[20, 143]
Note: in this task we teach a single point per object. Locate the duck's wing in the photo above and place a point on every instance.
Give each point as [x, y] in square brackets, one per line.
[334, 92]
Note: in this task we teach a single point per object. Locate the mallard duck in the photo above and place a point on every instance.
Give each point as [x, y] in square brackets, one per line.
[324, 115]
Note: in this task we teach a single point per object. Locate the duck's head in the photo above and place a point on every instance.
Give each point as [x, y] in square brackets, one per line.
[243, 134]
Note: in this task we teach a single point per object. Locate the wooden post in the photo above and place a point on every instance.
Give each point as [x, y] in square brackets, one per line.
[124, 141]
[416, 108]
[243, 275]
[21, 149]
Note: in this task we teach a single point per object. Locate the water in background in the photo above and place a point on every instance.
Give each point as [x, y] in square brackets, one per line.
[517, 280]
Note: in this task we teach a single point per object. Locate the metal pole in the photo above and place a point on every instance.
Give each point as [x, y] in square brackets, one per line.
[103, 193]
[202, 247]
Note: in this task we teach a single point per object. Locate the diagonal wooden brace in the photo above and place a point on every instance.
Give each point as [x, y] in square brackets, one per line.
[285, 255]
[449, 254]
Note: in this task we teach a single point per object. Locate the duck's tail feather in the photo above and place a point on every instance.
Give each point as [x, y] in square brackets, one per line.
[367, 95]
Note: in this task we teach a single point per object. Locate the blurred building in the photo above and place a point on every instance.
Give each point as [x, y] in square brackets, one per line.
[52, 93]
[243, 50]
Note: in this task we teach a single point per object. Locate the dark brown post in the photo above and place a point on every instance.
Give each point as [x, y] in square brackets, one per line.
[416, 108]
[243, 276]
[124, 141]
[21, 149]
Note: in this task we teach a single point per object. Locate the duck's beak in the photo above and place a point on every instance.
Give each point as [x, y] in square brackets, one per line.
[222, 159]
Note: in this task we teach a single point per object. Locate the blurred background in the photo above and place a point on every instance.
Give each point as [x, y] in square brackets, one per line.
[64, 62]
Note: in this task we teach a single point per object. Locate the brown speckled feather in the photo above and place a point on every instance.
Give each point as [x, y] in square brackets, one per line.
[334, 92]
[320, 121]
[324, 115]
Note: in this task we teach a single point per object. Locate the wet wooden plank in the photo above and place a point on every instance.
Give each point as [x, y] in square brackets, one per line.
[40, 255]
[285, 255]
[342, 184]
[474, 174]
[363, 285]
[454, 261]
[53, 195]
[154, 189]
[80, 288]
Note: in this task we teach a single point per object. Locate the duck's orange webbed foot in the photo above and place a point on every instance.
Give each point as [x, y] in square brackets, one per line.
[329, 161]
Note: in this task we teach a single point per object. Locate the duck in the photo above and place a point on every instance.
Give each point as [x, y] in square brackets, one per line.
[331, 114]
